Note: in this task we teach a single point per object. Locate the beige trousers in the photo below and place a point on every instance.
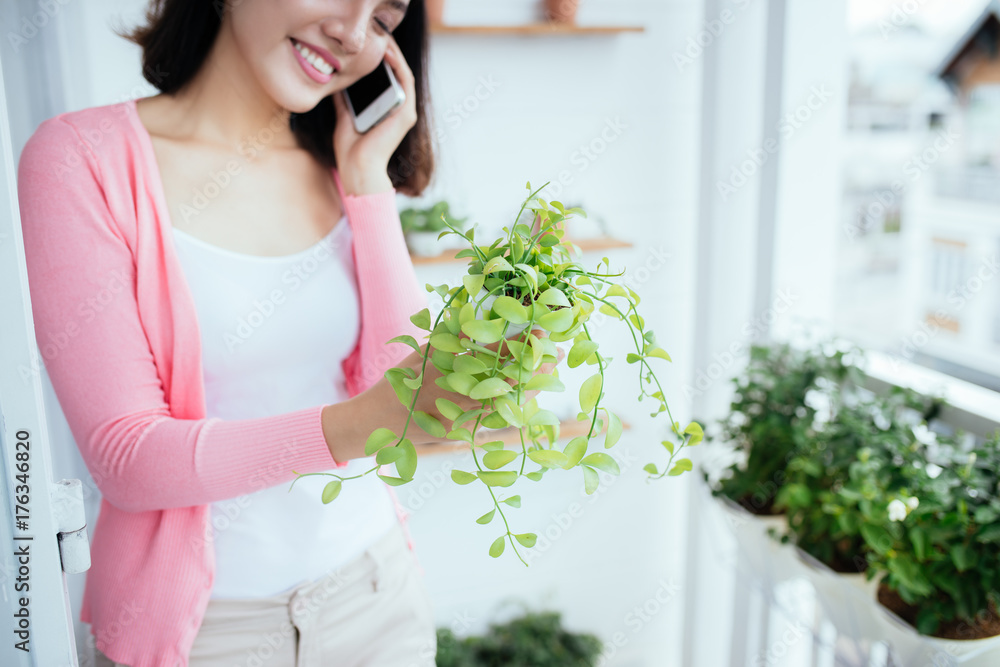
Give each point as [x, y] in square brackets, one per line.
[374, 610]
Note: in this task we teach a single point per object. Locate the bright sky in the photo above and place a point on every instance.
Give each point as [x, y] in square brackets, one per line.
[938, 16]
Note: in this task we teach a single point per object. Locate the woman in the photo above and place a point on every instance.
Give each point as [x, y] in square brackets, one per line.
[214, 273]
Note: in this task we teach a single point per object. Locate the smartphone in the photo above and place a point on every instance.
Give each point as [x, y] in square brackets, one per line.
[372, 97]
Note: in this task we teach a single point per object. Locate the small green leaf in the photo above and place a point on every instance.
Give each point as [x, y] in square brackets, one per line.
[554, 297]
[484, 331]
[557, 321]
[543, 418]
[544, 382]
[614, 429]
[575, 450]
[497, 264]
[447, 408]
[695, 431]
[526, 539]
[590, 391]
[462, 477]
[392, 481]
[681, 466]
[406, 465]
[429, 423]
[509, 410]
[422, 319]
[510, 309]
[513, 501]
[388, 455]
[497, 477]
[489, 388]
[549, 458]
[590, 479]
[331, 490]
[447, 342]
[497, 547]
[603, 461]
[658, 352]
[378, 439]
[486, 518]
[651, 469]
[473, 285]
[409, 340]
[580, 352]
[668, 445]
[632, 357]
[461, 382]
[499, 458]
[466, 363]
[535, 476]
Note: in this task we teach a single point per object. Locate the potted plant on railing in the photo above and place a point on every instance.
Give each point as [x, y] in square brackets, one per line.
[777, 396]
[424, 229]
[828, 481]
[937, 543]
[483, 345]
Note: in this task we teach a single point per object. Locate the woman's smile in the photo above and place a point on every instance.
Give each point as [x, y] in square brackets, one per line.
[315, 62]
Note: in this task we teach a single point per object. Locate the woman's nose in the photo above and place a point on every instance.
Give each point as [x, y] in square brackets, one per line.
[349, 28]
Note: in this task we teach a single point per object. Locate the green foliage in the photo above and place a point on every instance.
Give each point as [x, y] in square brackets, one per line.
[520, 283]
[942, 556]
[534, 640]
[829, 477]
[867, 484]
[430, 219]
[769, 414]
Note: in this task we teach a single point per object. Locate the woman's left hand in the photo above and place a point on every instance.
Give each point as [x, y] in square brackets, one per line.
[363, 159]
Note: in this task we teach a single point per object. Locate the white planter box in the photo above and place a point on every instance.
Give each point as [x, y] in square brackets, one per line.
[846, 598]
[912, 648]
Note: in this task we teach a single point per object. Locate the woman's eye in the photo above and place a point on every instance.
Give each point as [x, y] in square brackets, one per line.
[382, 25]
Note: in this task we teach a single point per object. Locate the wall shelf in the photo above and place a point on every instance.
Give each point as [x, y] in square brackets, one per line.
[586, 245]
[510, 438]
[534, 29]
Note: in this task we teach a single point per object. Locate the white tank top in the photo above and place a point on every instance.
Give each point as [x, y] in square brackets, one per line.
[274, 331]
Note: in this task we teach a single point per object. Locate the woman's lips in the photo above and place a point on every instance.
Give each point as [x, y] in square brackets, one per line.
[308, 68]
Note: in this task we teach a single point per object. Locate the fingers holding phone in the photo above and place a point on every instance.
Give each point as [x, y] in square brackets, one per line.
[376, 112]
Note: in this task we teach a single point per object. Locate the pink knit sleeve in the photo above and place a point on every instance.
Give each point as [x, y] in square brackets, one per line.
[82, 283]
[387, 284]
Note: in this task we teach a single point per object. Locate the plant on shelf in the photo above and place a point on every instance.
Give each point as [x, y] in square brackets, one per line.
[937, 540]
[424, 228]
[533, 640]
[776, 400]
[483, 344]
[828, 478]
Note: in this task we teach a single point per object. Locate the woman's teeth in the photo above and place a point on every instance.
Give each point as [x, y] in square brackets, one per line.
[314, 60]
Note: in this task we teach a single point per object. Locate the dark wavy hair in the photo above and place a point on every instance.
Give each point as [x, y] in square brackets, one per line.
[178, 35]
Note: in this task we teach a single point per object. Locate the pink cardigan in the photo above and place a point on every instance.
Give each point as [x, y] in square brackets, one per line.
[117, 330]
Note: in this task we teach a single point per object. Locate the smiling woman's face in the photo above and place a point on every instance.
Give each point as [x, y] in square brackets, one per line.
[346, 39]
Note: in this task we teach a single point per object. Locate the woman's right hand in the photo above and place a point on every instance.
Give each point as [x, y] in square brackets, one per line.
[381, 407]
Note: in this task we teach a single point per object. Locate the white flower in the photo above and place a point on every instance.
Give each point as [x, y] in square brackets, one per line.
[912, 502]
[933, 470]
[924, 434]
[897, 510]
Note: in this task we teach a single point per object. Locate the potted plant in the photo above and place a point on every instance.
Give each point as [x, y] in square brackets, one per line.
[770, 409]
[524, 279]
[424, 228]
[937, 542]
[829, 480]
[536, 639]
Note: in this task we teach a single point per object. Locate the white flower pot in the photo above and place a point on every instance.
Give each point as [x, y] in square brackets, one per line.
[512, 329]
[767, 557]
[427, 244]
[845, 598]
[909, 647]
